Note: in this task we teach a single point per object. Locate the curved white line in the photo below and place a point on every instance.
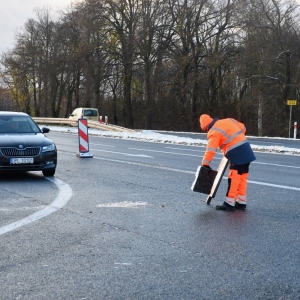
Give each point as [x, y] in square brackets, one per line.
[64, 195]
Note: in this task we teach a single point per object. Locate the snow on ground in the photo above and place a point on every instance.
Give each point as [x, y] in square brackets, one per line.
[164, 137]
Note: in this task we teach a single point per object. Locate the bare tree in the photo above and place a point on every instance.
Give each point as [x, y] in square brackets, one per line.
[122, 17]
[154, 34]
[270, 53]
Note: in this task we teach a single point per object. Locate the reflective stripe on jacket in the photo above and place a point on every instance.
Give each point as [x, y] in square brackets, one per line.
[225, 134]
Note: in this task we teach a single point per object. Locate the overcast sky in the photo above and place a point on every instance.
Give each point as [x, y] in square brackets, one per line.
[14, 14]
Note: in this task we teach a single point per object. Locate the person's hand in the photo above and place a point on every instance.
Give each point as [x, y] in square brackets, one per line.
[206, 166]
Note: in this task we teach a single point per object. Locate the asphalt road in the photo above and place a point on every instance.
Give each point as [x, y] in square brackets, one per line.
[126, 225]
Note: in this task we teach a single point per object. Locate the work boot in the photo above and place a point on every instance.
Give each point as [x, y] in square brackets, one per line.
[225, 206]
[240, 206]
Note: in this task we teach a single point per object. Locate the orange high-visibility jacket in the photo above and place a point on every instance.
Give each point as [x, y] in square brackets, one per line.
[225, 134]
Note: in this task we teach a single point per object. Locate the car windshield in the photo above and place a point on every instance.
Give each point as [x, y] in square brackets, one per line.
[91, 112]
[18, 124]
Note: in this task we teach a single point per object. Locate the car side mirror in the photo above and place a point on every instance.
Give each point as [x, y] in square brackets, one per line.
[45, 130]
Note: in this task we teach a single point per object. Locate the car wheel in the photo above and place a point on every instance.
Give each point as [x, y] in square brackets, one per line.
[49, 172]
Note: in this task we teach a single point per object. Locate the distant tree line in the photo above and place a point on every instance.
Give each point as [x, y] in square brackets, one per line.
[159, 64]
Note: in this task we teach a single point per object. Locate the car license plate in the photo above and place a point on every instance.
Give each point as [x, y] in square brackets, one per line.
[21, 160]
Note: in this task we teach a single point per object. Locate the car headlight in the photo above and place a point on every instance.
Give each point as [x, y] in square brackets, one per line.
[48, 148]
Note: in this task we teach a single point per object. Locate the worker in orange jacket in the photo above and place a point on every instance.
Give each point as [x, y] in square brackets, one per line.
[229, 136]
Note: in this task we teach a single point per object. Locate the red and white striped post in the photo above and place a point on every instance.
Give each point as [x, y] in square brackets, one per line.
[295, 130]
[83, 138]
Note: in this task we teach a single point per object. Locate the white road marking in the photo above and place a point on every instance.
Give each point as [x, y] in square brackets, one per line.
[254, 162]
[277, 165]
[103, 145]
[122, 153]
[274, 185]
[143, 165]
[22, 208]
[190, 172]
[157, 151]
[184, 149]
[124, 204]
[185, 171]
[64, 195]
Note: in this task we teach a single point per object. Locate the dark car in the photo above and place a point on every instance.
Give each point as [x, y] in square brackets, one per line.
[23, 145]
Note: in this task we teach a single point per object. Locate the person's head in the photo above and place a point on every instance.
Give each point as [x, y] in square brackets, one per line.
[205, 121]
